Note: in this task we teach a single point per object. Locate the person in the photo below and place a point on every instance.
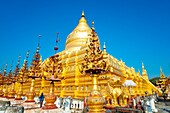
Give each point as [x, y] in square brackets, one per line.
[145, 104]
[41, 99]
[152, 104]
[142, 102]
[134, 102]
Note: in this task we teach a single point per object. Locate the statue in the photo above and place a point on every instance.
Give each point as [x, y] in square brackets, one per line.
[114, 87]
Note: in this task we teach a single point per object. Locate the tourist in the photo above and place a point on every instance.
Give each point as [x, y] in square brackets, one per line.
[41, 99]
[142, 102]
[145, 104]
[134, 102]
[152, 104]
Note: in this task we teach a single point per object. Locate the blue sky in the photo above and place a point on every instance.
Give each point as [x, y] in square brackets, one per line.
[135, 31]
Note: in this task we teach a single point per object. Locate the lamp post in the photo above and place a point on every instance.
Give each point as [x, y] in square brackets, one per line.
[94, 66]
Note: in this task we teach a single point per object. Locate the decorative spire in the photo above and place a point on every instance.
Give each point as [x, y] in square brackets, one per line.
[144, 72]
[39, 36]
[5, 69]
[25, 65]
[93, 26]
[57, 40]
[160, 69]
[121, 60]
[104, 47]
[143, 66]
[17, 67]
[23, 72]
[11, 67]
[82, 14]
[162, 74]
[104, 51]
[35, 64]
[139, 71]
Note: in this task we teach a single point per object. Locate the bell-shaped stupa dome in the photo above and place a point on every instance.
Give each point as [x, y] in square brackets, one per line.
[79, 36]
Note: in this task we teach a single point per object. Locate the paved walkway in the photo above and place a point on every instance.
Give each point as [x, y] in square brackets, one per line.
[163, 105]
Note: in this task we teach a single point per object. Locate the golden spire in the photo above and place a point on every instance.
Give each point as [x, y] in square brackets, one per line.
[82, 19]
[82, 14]
[160, 69]
[161, 73]
[139, 71]
[93, 25]
[143, 66]
[144, 72]
[104, 47]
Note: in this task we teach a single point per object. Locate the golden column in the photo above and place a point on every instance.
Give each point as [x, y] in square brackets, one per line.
[93, 66]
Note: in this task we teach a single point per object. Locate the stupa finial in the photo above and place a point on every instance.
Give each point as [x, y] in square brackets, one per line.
[104, 47]
[38, 48]
[5, 69]
[143, 65]
[160, 69]
[57, 40]
[93, 25]
[11, 67]
[82, 14]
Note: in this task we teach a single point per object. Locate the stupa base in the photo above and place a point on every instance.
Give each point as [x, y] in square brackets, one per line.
[11, 98]
[47, 107]
[29, 101]
[18, 98]
[30, 105]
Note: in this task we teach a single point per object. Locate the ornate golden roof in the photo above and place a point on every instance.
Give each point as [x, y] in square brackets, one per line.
[79, 36]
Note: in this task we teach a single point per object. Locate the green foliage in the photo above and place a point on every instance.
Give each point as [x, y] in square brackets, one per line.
[153, 80]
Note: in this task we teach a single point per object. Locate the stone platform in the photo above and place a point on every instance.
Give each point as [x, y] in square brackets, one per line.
[39, 110]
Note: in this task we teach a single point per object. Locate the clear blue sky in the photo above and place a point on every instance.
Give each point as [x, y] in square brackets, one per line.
[135, 31]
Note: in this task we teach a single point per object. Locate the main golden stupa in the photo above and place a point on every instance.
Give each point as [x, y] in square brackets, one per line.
[76, 84]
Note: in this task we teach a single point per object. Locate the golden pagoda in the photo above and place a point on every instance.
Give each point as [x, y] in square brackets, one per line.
[34, 74]
[76, 84]
[161, 82]
[22, 78]
[12, 80]
[6, 82]
[1, 83]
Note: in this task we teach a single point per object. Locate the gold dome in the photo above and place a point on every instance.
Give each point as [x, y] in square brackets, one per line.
[79, 36]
